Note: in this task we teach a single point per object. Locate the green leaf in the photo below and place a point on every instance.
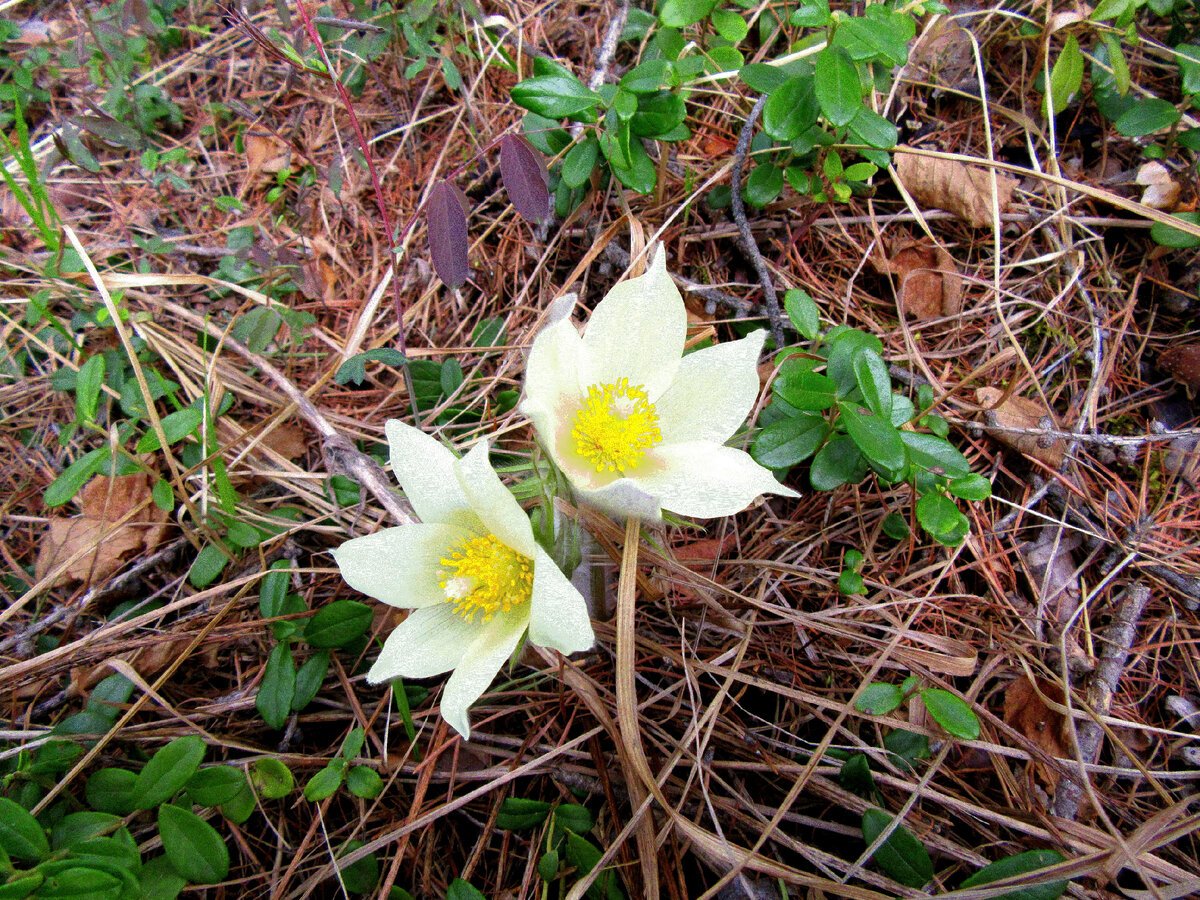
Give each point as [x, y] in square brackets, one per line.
[579, 162]
[239, 809]
[159, 881]
[355, 369]
[729, 25]
[762, 77]
[939, 515]
[176, 426]
[789, 441]
[272, 780]
[1120, 66]
[838, 89]
[163, 495]
[274, 588]
[83, 882]
[875, 436]
[87, 388]
[309, 679]
[1021, 864]
[681, 13]
[326, 781]
[574, 817]
[640, 176]
[908, 747]
[835, 463]
[554, 96]
[111, 790]
[648, 77]
[363, 781]
[802, 310]
[841, 356]
[20, 834]
[874, 130]
[951, 712]
[850, 583]
[855, 775]
[791, 109]
[361, 876]
[1066, 77]
[1146, 116]
[971, 487]
[352, 744]
[167, 771]
[547, 866]
[215, 785]
[463, 890]
[811, 14]
[657, 114]
[257, 328]
[1162, 234]
[870, 372]
[194, 847]
[338, 623]
[624, 104]
[1110, 9]
[210, 561]
[764, 184]
[879, 699]
[935, 454]
[895, 526]
[585, 855]
[872, 39]
[806, 390]
[74, 476]
[901, 856]
[278, 687]
[17, 888]
[518, 814]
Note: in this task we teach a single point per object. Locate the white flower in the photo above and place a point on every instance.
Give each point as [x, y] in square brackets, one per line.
[471, 572]
[636, 426]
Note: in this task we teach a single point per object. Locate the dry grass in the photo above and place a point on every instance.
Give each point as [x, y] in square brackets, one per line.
[746, 659]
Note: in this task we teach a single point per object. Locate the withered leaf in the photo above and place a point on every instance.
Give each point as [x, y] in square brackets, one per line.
[929, 285]
[1029, 714]
[947, 184]
[1021, 412]
[446, 226]
[525, 178]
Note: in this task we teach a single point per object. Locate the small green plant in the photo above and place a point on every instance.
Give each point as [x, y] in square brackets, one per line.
[565, 849]
[361, 781]
[833, 403]
[951, 712]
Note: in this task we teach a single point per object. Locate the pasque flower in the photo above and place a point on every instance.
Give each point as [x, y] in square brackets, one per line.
[636, 426]
[471, 572]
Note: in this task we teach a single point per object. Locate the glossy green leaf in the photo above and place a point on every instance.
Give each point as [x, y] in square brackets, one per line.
[326, 781]
[574, 817]
[309, 678]
[935, 454]
[580, 161]
[901, 856]
[951, 712]
[791, 109]
[194, 847]
[1167, 236]
[20, 834]
[940, 516]
[338, 623]
[215, 785]
[970, 487]
[1066, 77]
[681, 13]
[363, 781]
[895, 526]
[1021, 864]
[762, 77]
[110, 790]
[649, 76]
[641, 175]
[22, 887]
[273, 589]
[789, 441]
[657, 113]
[554, 96]
[869, 39]
[277, 688]
[159, 881]
[838, 462]
[1146, 116]
[176, 426]
[838, 89]
[80, 882]
[75, 828]
[806, 390]
[876, 437]
[239, 809]
[272, 780]
[167, 771]
[879, 699]
[802, 310]
[518, 814]
[729, 25]
[870, 372]
[764, 185]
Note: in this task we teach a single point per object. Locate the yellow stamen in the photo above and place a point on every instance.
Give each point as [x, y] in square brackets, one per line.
[615, 426]
[482, 575]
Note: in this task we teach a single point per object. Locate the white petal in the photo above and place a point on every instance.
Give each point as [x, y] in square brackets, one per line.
[702, 479]
[713, 392]
[482, 660]
[399, 566]
[495, 505]
[558, 615]
[620, 499]
[637, 332]
[552, 372]
[429, 642]
[425, 469]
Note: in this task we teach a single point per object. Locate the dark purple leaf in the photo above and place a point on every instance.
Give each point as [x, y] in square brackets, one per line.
[446, 225]
[524, 176]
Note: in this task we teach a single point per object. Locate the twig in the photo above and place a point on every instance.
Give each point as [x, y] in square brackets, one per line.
[340, 455]
[739, 216]
[1116, 641]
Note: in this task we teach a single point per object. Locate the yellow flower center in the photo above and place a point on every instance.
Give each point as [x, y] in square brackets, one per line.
[482, 575]
[615, 426]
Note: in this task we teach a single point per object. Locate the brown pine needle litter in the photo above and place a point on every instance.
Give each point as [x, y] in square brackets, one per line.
[713, 733]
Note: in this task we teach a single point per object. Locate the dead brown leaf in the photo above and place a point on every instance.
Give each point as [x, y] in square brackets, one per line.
[147, 661]
[103, 545]
[1021, 412]
[266, 153]
[1053, 573]
[288, 440]
[928, 283]
[1044, 727]
[1161, 191]
[944, 52]
[946, 184]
